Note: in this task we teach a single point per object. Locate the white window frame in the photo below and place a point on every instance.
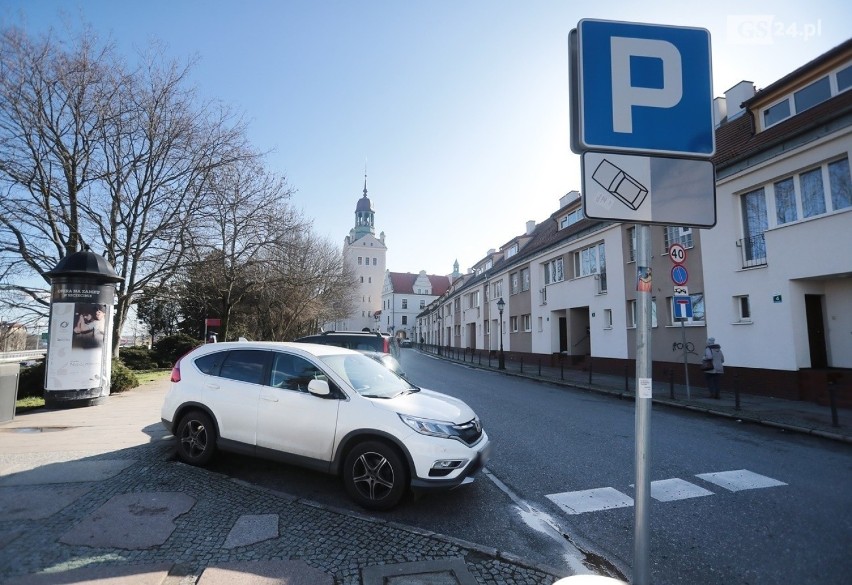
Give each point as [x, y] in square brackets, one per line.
[525, 279]
[554, 271]
[673, 234]
[790, 98]
[742, 308]
[584, 267]
[513, 323]
[571, 218]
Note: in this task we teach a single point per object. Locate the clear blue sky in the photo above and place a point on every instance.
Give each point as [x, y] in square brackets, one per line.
[458, 107]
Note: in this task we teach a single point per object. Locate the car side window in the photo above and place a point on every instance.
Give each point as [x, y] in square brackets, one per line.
[292, 372]
[211, 363]
[245, 365]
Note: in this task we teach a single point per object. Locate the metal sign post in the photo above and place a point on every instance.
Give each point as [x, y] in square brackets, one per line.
[642, 119]
[641, 570]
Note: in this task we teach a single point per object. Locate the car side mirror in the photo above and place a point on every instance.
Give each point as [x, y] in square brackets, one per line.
[319, 388]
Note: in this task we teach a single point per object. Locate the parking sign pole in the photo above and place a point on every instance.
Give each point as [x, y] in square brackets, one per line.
[641, 528]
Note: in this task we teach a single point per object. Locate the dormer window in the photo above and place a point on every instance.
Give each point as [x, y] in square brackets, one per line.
[776, 113]
[571, 218]
[512, 251]
[809, 96]
[816, 93]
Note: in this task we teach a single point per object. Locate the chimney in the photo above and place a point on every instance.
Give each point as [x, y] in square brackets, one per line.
[735, 96]
[720, 111]
[568, 198]
[530, 226]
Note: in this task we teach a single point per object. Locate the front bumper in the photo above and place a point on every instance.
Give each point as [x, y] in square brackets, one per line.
[481, 454]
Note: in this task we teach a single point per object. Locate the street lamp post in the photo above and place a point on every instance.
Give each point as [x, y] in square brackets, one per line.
[501, 304]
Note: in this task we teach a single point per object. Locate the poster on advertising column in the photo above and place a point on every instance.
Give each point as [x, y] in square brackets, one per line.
[79, 337]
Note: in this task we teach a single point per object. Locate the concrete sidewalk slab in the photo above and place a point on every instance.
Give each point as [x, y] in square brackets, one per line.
[131, 521]
[29, 503]
[61, 472]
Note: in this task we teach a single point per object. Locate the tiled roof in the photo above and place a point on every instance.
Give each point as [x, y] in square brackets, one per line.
[403, 282]
[737, 139]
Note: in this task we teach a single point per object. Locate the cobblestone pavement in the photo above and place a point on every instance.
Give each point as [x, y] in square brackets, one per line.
[134, 515]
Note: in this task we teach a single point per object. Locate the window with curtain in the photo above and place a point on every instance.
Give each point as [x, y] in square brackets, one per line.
[785, 201]
[813, 195]
[755, 223]
[841, 186]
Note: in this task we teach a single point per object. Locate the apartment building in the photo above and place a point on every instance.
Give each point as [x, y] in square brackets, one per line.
[568, 286]
[772, 281]
[404, 295]
[781, 269]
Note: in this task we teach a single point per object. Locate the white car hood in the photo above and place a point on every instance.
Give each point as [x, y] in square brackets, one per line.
[428, 404]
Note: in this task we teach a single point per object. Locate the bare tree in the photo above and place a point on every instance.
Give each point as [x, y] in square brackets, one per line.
[309, 284]
[245, 219]
[94, 155]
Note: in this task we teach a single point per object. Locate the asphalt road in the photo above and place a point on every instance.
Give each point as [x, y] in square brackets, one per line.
[768, 507]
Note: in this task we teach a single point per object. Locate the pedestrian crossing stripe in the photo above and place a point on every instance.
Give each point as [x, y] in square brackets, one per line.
[666, 490]
[742, 479]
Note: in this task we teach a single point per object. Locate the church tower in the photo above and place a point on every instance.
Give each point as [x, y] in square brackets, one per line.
[366, 255]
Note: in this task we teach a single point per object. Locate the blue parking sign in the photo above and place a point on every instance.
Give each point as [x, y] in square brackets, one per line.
[645, 89]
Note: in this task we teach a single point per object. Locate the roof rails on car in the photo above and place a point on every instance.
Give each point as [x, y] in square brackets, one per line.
[376, 333]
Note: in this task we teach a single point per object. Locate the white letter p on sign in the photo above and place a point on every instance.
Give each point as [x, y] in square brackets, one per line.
[625, 95]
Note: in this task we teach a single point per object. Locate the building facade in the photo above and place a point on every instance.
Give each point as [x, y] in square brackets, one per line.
[404, 295]
[782, 271]
[772, 281]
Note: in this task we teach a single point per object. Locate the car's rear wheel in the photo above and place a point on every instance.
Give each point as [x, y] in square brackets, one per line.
[196, 438]
[375, 476]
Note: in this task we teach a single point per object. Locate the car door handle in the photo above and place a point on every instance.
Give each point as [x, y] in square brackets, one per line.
[213, 386]
[269, 397]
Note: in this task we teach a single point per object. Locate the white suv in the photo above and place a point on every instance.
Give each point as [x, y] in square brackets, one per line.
[326, 408]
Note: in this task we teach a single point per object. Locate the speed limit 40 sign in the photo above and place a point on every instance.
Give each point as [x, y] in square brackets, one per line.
[677, 253]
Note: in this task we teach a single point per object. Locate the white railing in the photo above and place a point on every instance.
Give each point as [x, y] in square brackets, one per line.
[22, 356]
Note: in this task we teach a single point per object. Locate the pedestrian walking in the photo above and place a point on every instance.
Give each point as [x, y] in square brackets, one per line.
[712, 366]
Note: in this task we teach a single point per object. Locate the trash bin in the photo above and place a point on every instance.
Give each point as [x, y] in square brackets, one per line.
[9, 375]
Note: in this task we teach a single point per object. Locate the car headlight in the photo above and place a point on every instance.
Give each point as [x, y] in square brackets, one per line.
[435, 428]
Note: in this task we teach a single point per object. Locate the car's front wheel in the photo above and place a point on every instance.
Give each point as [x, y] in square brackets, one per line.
[375, 476]
[196, 438]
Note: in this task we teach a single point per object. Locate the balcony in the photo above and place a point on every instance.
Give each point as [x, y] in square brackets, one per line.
[752, 251]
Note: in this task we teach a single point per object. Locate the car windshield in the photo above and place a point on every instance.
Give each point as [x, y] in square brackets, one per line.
[368, 377]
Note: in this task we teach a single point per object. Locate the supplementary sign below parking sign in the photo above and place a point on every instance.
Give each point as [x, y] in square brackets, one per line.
[654, 190]
[644, 89]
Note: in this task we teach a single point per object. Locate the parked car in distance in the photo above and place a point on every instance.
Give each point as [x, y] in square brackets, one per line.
[325, 408]
[357, 340]
[405, 342]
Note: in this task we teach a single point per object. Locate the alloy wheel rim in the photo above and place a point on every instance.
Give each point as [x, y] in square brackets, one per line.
[194, 439]
[373, 476]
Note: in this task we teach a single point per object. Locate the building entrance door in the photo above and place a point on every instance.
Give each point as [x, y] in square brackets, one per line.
[816, 331]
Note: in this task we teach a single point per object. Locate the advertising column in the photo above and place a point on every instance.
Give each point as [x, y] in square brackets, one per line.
[79, 355]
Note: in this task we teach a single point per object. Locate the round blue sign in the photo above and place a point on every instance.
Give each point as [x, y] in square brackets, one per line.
[679, 274]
